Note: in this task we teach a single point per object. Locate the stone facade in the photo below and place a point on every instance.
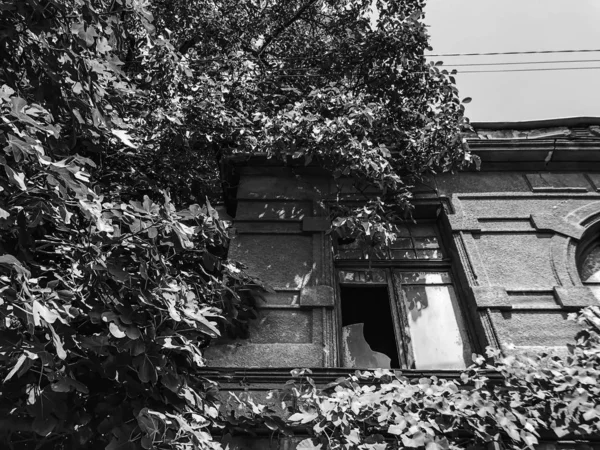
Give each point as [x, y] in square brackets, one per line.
[512, 230]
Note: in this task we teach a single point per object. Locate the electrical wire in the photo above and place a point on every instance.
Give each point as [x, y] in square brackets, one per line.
[523, 63]
[529, 52]
[539, 69]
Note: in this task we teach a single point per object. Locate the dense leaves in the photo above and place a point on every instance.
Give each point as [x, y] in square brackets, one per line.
[116, 116]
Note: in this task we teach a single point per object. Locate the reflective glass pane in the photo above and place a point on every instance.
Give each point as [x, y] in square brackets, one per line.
[590, 269]
[429, 254]
[427, 242]
[438, 333]
[403, 254]
[402, 231]
[423, 230]
[424, 277]
[402, 243]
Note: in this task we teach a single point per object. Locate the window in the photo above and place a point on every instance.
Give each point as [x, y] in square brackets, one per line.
[588, 262]
[589, 269]
[399, 307]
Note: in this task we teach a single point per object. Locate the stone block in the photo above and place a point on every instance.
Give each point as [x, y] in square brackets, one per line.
[276, 188]
[552, 182]
[516, 261]
[267, 227]
[473, 182]
[284, 326]
[272, 210]
[243, 354]
[317, 296]
[290, 298]
[575, 297]
[534, 328]
[282, 261]
[464, 222]
[491, 297]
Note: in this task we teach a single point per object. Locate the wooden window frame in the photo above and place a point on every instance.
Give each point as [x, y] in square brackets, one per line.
[396, 301]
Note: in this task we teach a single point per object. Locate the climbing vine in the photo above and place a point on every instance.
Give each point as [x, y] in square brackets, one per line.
[511, 398]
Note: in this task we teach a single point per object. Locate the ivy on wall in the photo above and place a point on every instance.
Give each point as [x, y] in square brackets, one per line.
[511, 398]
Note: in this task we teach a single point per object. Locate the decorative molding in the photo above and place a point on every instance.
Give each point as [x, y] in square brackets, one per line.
[317, 296]
[550, 222]
[465, 260]
[488, 328]
[491, 297]
[268, 227]
[575, 297]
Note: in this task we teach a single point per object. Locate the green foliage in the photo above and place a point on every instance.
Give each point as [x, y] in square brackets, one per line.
[115, 118]
[512, 399]
[108, 295]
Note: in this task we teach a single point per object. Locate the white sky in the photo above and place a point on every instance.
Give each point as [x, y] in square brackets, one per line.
[469, 26]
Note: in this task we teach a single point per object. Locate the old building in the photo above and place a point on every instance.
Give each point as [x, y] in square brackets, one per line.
[498, 255]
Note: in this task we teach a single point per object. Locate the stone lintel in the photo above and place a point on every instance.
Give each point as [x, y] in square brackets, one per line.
[491, 297]
[549, 222]
[267, 227]
[317, 296]
[464, 222]
[575, 296]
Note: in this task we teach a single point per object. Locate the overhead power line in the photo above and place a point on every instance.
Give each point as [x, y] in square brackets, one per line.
[539, 69]
[530, 52]
[521, 63]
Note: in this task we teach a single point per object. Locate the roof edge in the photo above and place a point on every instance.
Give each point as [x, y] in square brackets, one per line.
[543, 123]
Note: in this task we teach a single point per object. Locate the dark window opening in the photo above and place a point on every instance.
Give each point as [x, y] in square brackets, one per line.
[369, 307]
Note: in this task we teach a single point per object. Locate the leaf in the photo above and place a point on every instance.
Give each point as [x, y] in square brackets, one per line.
[145, 369]
[124, 137]
[14, 263]
[60, 351]
[16, 367]
[307, 444]
[16, 178]
[44, 424]
[467, 100]
[303, 417]
[42, 311]
[116, 331]
[397, 428]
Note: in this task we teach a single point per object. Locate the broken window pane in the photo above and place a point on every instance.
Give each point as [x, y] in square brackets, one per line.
[368, 338]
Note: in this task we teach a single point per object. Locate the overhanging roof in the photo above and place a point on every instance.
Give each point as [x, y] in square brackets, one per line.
[571, 143]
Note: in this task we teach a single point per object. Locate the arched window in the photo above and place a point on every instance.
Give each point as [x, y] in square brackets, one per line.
[589, 268]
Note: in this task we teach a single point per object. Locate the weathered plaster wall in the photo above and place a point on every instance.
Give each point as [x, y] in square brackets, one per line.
[280, 239]
[516, 233]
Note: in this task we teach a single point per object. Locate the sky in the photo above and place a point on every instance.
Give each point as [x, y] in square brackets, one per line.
[477, 26]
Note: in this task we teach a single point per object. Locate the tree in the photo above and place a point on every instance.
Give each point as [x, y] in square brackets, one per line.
[113, 112]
